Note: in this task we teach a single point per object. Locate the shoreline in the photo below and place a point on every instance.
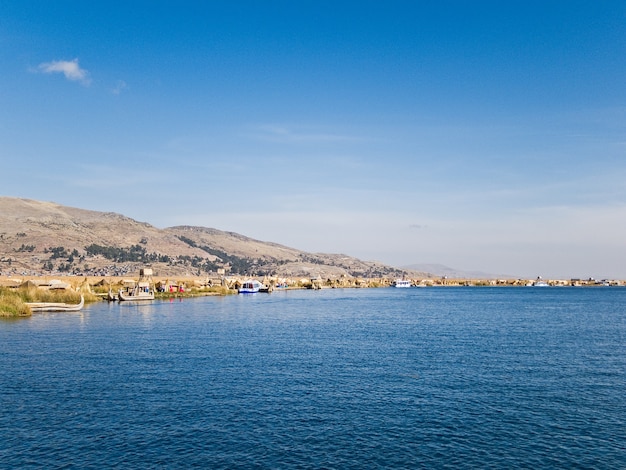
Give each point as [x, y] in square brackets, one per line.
[200, 284]
[14, 291]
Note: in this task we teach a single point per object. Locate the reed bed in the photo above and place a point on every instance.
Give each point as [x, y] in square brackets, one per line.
[195, 292]
[12, 304]
[13, 301]
[34, 294]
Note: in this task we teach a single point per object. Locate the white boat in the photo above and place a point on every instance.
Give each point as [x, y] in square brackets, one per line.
[401, 283]
[540, 283]
[250, 287]
[141, 290]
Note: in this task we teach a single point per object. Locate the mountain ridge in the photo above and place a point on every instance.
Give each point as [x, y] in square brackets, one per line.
[39, 238]
[441, 270]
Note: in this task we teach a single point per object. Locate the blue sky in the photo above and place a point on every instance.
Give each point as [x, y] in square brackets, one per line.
[483, 135]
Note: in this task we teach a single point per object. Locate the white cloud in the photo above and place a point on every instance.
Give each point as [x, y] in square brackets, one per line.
[283, 134]
[119, 87]
[70, 69]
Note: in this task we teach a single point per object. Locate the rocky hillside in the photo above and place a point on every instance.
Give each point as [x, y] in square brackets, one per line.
[47, 238]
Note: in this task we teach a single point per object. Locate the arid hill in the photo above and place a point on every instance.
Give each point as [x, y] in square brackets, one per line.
[46, 238]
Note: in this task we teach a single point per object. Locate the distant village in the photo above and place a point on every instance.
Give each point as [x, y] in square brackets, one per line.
[125, 273]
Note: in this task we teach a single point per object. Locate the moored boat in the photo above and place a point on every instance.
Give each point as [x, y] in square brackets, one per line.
[141, 290]
[401, 283]
[251, 286]
[56, 306]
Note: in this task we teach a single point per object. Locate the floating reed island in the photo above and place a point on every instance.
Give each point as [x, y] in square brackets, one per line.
[20, 296]
[24, 298]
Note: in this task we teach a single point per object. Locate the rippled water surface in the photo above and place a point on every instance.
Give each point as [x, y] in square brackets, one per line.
[346, 378]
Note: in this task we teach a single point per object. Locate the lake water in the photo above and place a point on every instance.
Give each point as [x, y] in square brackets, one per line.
[345, 378]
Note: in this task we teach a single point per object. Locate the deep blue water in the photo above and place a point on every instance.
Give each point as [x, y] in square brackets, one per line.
[346, 378]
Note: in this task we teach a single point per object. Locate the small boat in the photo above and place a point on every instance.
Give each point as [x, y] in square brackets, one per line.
[141, 291]
[56, 306]
[250, 287]
[401, 283]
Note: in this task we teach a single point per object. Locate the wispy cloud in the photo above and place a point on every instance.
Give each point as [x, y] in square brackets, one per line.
[120, 86]
[284, 134]
[70, 68]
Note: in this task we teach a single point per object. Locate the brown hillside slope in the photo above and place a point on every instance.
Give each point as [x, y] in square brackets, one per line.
[47, 238]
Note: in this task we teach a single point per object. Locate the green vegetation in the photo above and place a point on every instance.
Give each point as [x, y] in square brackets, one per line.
[188, 241]
[34, 294]
[194, 292]
[135, 253]
[238, 265]
[12, 305]
[13, 301]
[26, 248]
[57, 252]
